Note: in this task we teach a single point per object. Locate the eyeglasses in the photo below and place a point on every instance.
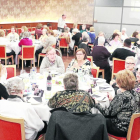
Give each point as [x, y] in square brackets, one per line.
[129, 63]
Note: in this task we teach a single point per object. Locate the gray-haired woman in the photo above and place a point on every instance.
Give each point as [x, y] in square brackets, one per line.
[72, 96]
[25, 41]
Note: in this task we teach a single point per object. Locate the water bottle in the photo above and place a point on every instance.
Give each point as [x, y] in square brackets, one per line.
[80, 74]
[49, 82]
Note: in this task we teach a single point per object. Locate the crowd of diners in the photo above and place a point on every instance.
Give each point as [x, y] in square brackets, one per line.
[126, 83]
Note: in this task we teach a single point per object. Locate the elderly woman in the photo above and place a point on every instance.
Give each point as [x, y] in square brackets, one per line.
[23, 29]
[84, 44]
[3, 76]
[72, 96]
[122, 107]
[15, 106]
[115, 40]
[13, 35]
[96, 40]
[25, 41]
[92, 35]
[100, 57]
[135, 39]
[4, 41]
[80, 62]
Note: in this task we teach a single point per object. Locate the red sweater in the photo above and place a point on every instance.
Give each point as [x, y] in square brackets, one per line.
[25, 41]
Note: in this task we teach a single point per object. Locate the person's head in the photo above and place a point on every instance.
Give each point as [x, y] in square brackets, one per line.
[2, 33]
[74, 26]
[51, 53]
[92, 29]
[130, 63]
[71, 81]
[50, 32]
[83, 27]
[123, 31]
[85, 35]
[116, 31]
[125, 79]
[135, 34]
[67, 29]
[13, 29]
[45, 26]
[75, 31]
[39, 26]
[24, 29]
[44, 31]
[80, 54]
[15, 86]
[64, 16]
[101, 34]
[85, 38]
[127, 43]
[101, 41]
[115, 36]
[26, 35]
[138, 75]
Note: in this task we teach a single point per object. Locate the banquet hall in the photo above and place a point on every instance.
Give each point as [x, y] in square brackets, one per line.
[70, 70]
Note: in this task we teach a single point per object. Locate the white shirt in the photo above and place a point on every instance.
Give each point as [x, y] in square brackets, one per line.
[61, 23]
[16, 108]
[5, 41]
[13, 37]
[123, 37]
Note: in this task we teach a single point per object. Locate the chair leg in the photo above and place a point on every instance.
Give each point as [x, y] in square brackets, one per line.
[67, 52]
[18, 62]
[22, 64]
[5, 61]
[38, 59]
[34, 62]
[12, 61]
[31, 64]
[103, 75]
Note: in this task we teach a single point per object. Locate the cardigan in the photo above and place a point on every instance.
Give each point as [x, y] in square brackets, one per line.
[120, 110]
[92, 37]
[58, 65]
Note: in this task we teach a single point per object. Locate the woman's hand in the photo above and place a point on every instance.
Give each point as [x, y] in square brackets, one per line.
[110, 97]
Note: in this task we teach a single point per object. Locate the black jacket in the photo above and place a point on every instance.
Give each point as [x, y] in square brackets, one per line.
[3, 92]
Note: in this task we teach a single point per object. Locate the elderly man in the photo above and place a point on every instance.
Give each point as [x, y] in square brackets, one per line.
[61, 23]
[13, 35]
[15, 107]
[125, 51]
[52, 62]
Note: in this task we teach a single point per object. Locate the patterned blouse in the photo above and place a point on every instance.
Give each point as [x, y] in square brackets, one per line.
[86, 67]
[120, 110]
[137, 90]
[70, 98]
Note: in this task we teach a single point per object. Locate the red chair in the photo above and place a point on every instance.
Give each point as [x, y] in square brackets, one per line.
[8, 31]
[133, 130]
[3, 54]
[27, 54]
[30, 29]
[19, 31]
[118, 64]
[63, 44]
[11, 71]
[33, 28]
[95, 71]
[50, 27]
[11, 129]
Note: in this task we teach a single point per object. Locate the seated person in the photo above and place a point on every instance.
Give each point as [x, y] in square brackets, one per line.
[96, 39]
[15, 107]
[23, 29]
[92, 35]
[5, 41]
[44, 36]
[27, 42]
[13, 36]
[124, 35]
[3, 76]
[115, 40]
[84, 44]
[80, 62]
[38, 31]
[71, 96]
[74, 27]
[100, 57]
[129, 65]
[125, 51]
[77, 36]
[48, 42]
[52, 62]
[122, 107]
[135, 39]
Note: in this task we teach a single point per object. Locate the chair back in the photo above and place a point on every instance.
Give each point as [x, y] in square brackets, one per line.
[118, 64]
[33, 28]
[63, 43]
[95, 71]
[19, 31]
[30, 29]
[11, 71]
[90, 59]
[2, 51]
[134, 127]
[8, 31]
[28, 52]
[11, 129]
